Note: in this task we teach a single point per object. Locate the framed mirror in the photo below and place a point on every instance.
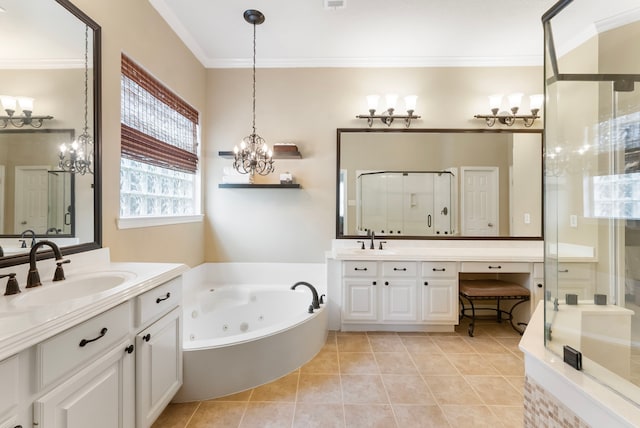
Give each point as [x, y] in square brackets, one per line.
[53, 56]
[439, 183]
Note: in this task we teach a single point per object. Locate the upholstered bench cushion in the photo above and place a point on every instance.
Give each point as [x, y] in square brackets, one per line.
[479, 288]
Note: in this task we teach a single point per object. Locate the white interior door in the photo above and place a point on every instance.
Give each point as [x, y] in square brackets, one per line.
[31, 190]
[479, 201]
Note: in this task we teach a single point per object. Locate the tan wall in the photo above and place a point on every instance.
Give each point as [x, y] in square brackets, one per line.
[306, 106]
[526, 185]
[134, 27]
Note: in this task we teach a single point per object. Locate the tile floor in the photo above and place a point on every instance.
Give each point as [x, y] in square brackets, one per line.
[385, 380]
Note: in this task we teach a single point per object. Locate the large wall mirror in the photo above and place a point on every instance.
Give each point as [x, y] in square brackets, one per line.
[52, 55]
[439, 183]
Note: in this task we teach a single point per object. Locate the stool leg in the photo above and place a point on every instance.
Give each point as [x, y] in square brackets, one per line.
[498, 316]
[473, 318]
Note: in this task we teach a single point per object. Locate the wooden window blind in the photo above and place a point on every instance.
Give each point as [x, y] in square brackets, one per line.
[157, 126]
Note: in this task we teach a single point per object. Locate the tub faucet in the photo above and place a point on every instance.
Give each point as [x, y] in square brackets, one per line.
[33, 278]
[33, 238]
[315, 302]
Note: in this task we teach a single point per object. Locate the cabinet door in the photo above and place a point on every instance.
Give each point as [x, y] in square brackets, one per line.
[99, 396]
[360, 301]
[399, 300]
[158, 366]
[440, 300]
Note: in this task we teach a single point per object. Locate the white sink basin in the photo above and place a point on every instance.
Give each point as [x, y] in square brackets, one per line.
[365, 252]
[77, 287]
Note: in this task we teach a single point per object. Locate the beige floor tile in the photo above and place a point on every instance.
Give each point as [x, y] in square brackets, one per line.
[325, 362]
[386, 343]
[420, 416]
[268, 415]
[453, 345]
[395, 363]
[311, 415]
[314, 388]
[218, 414]
[471, 364]
[517, 382]
[240, 396]
[486, 345]
[361, 416]
[176, 415]
[353, 343]
[434, 364]
[363, 389]
[510, 416]
[357, 363]
[449, 390]
[283, 389]
[495, 390]
[407, 389]
[420, 344]
[506, 364]
[470, 416]
[511, 343]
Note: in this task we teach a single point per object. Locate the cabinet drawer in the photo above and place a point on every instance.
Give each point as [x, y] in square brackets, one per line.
[439, 269]
[9, 384]
[361, 269]
[391, 269]
[495, 267]
[157, 302]
[575, 271]
[69, 350]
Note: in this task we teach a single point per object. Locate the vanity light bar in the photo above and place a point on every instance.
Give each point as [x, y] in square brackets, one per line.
[387, 117]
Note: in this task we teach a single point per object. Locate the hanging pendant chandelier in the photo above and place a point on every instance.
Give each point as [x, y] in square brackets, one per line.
[253, 156]
[77, 157]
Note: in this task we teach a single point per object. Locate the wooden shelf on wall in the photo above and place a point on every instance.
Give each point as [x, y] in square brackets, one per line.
[258, 186]
[278, 155]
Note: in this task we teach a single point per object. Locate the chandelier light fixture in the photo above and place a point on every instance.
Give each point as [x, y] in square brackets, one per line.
[253, 156]
[77, 157]
[510, 117]
[10, 104]
[388, 115]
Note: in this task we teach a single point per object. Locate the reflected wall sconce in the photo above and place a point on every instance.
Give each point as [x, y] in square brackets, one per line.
[510, 117]
[10, 104]
[387, 117]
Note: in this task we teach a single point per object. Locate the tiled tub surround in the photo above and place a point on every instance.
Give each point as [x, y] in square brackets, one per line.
[553, 386]
[380, 379]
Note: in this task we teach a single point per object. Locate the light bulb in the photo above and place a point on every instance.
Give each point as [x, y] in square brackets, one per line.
[410, 102]
[8, 102]
[372, 102]
[392, 99]
[63, 148]
[515, 100]
[535, 102]
[495, 103]
[26, 104]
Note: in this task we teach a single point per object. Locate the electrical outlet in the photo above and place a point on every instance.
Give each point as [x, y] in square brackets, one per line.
[573, 220]
[527, 218]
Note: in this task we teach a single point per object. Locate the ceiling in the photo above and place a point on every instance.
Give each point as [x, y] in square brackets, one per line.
[365, 33]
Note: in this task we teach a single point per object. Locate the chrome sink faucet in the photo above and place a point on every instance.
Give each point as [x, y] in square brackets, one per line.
[33, 278]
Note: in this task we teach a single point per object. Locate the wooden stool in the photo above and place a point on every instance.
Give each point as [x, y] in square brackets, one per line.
[491, 289]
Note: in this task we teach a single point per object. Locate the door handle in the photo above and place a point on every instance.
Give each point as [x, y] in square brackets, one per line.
[429, 220]
[490, 224]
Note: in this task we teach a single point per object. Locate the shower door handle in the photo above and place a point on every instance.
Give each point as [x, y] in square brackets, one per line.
[429, 220]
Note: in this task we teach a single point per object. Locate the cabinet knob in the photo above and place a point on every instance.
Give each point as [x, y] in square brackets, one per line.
[539, 285]
[426, 283]
[439, 269]
[146, 337]
[374, 283]
[129, 349]
[495, 267]
[400, 269]
[386, 283]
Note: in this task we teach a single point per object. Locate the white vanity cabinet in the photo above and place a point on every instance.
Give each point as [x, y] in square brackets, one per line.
[9, 387]
[158, 351]
[439, 296]
[360, 288]
[399, 302]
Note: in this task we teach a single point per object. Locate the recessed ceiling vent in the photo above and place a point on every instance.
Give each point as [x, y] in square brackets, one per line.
[335, 4]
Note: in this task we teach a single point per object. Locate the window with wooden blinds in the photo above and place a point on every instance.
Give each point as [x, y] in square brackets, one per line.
[157, 126]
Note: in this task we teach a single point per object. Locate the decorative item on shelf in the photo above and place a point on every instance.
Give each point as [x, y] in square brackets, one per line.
[509, 118]
[387, 117]
[77, 157]
[286, 178]
[10, 104]
[253, 156]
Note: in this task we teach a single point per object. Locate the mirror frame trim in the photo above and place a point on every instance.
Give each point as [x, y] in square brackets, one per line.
[339, 132]
[97, 148]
